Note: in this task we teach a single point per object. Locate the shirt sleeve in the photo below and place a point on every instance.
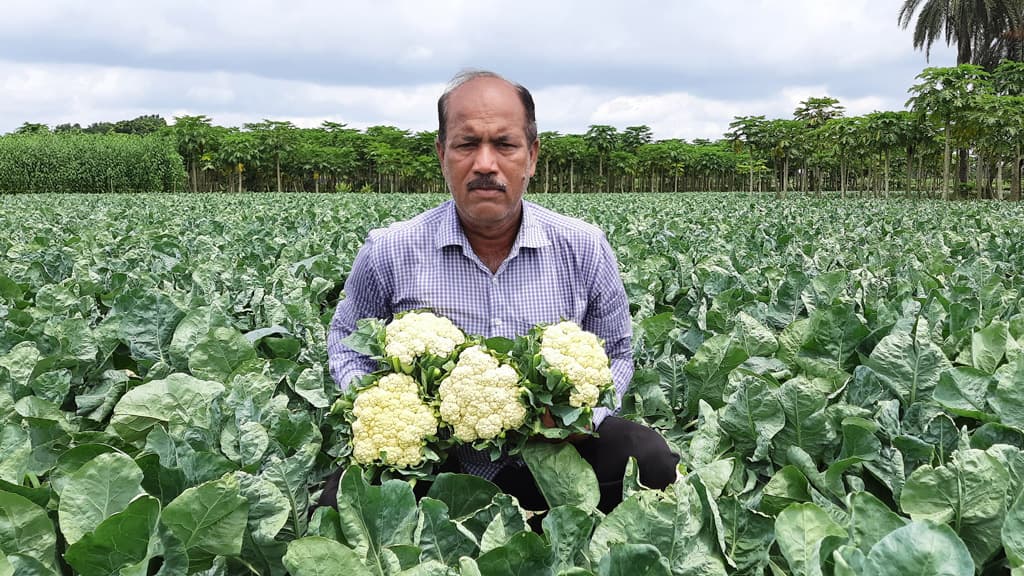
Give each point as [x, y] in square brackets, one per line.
[608, 317]
[364, 298]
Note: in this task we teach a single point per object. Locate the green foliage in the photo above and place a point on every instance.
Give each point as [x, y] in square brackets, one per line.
[842, 381]
[86, 163]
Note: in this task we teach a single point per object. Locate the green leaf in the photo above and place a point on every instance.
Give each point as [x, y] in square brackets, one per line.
[209, 518]
[1008, 400]
[563, 476]
[633, 560]
[1013, 534]
[26, 529]
[568, 530]
[177, 401]
[145, 320]
[870, 520]
[989, 345]
[121, 540]
[291, 476]
[803, 402]
[100, 488]
[753, 337]
[799, 529]
[909, 364]
[919, 548]
[269, 510]
[219, 353]
[310, 385]
[753, 416]
[318, 556]
[787, 486]
[438, 537]
[831, 343]
[708, 370]
[375, 517]
[748, 536]
[464, 494]
[525, 553]
[964, 392]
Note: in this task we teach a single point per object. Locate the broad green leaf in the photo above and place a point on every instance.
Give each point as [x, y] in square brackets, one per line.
[870, 520]
[525, 553]
[506, 520]
[1008, 399]
[209, 518]
[787, 486]
[568, 530]
[100, 488]
[20, 363]
[989, 345]
[807, 426]
[26, 529]
[16, 447]
[438, 537]
[748, 536]
[317, 556]
[919, 548]
[269, 510]
[672, 522]
[175, 401]
[753, 337]
[464, 494]
[753, 416]
[1013, 534]
[310, 385]
[708, 370]
[799, 530]
[219, 353]
[964, 392]
[145, 320]
[291, 476]
[375, 517]
[831, 342]
[121, 540]
[909, 364]
[196, 324]
[633, 560]
[563, 476]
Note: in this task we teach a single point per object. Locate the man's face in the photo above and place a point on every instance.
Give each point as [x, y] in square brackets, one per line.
[485, 158]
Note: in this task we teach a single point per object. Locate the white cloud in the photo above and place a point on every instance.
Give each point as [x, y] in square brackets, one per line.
[683, 68]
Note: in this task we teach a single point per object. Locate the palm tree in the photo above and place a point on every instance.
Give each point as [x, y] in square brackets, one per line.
[968, 23]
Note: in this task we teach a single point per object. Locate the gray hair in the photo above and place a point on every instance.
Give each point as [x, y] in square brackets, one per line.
[471, 74]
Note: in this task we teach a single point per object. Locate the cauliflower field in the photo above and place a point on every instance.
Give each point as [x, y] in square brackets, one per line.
[844, 381]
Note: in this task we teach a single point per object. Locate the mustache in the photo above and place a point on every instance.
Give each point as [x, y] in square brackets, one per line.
[485, 181]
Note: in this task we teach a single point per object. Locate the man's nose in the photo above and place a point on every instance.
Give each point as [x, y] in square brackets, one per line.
[486, 160]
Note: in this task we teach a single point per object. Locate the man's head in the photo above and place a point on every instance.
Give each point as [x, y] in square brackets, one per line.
[487, 144]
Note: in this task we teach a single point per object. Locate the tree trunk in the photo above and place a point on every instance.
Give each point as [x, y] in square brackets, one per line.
[572, 176]
[910, 173]
[547, 175]
[978, 179]
[999, 181]
[278, 164]
[1015, 176]
[945, 166]
[751, 173]
[239, 180]
[886, 193]
[785, 177]
[842, 177]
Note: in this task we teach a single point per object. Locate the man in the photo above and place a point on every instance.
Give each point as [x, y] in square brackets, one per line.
[497, 265]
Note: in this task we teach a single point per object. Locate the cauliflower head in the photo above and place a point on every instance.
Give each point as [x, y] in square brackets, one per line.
[393, 419]
[419, 333]
[580, 356]
[481, 398]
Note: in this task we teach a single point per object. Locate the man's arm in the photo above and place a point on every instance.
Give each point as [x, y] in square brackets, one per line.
[608, 317]
[365, 297]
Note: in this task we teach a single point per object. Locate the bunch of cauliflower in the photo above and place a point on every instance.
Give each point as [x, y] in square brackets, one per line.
[580, 357]
[392, 423]
[417, 334]
[481, 398]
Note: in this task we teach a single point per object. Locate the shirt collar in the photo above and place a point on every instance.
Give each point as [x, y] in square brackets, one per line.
[531, 233]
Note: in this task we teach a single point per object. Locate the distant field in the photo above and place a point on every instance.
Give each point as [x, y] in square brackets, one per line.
[841, 369]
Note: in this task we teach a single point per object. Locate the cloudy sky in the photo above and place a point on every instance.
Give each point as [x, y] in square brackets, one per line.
[685, 68]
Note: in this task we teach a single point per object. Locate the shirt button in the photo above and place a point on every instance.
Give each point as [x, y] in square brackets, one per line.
[496, 321]
[494, 280]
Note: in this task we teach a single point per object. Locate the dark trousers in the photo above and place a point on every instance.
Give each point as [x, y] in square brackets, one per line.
[607, 453]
